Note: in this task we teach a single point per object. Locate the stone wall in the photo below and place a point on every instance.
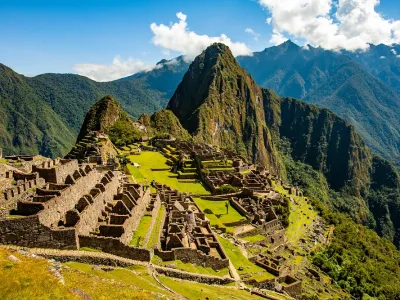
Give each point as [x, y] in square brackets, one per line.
[194, 256]
[116, 247]
[193, 277]
[89, 216]
[56, 208]
[22, 188]
[29, 232]
[137, 214]
[56, 171]
[164, 217]
[266, 228]
[292, 286]
[255, 231]
[239, 208]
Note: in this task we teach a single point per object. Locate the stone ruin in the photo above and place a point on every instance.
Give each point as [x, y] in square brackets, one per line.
[72, 206]
[186, 233]
[258, 211]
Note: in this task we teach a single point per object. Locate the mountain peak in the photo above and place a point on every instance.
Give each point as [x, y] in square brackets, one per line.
[102, 116]
[289, 45]
[219, 103]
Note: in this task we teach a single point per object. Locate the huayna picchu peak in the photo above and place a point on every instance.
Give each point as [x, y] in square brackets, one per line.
[220, 104]
[228, 191]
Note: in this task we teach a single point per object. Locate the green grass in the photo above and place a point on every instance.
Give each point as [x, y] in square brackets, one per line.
[194, 290]
[254, 238]
[153, 240]
[239, 260]
[300, 217]
[189, 267]
[216, 213]
[139, 279]
[135, 172]
[218, 209]
[154, 160]
[141, 231]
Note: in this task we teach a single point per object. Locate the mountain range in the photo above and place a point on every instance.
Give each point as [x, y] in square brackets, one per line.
[43, 114]
[349, 84]
[361, 87]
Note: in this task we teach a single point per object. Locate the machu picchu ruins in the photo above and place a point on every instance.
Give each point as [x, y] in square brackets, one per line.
[109, 200]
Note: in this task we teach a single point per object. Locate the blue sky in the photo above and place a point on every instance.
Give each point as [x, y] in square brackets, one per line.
[55, 36]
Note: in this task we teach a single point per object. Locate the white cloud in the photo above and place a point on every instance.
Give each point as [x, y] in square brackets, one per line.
[277, 38]
[341, 24]
[268, 21]
[255, 34]
[177, 37]
[118, 69]
[382, 57]
[394, 51]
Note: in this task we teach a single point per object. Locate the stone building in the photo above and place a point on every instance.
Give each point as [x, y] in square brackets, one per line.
[187, 235]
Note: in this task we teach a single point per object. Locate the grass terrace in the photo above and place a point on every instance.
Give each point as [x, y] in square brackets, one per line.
[149, 161]
[216, 213]
[30, 278]
[153, 240]
[189, 267]
[133, 279]
[194, 290]
[141, 231]
[239, 260]
[254, 238]
[301, 216]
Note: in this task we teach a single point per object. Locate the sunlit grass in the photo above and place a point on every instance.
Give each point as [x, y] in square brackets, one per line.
[239, 260]
[141, 231]
[189, 267]
[194, 290]
[149, 160]
[154, 237]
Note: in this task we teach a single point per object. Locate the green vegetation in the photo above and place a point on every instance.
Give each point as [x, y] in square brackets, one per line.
[29, 279]
[200, 110]
[239, 260]
[149, 160]
[124, 133]
[141, 231]
[189, 267]
[254, 238]
[359, 260]
[45, 113]
[165, 124]
[194, 290]
[348, 89]
[300, 218]
[154, 237]
[218, 208]
[226, 189]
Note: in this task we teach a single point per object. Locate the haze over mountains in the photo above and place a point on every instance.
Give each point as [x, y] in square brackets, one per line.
[363, 88]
